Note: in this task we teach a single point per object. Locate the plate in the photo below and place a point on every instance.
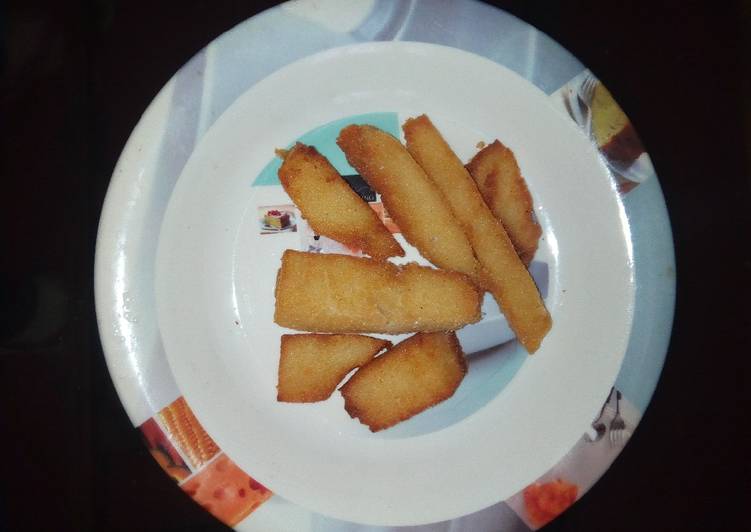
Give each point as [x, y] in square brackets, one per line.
[193, 116]
[216, 276]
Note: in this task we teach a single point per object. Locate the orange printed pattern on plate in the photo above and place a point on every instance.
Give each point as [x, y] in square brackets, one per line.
[386, 220]
[163, 451]
[545, 502]
[187, 433]
[226, 491]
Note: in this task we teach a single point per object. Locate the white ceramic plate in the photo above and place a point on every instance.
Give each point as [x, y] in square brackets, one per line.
[215, 280]
[186, 109]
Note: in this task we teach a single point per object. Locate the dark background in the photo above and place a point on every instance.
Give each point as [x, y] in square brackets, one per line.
[76, 77]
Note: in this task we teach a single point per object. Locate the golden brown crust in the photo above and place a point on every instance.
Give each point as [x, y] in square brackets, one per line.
[330, 205]
[312, 365]
[414, 375]
[503, 188]
[506, 277]
[345, 294]
[414, 203]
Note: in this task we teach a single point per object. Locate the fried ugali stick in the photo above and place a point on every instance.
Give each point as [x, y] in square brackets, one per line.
[506, 276]
[414, 203]
[414, 375]
[497, 174]
[312, 365]
[330, 205]
[344, 294]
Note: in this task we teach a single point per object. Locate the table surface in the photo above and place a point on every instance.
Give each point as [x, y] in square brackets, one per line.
[76, 77]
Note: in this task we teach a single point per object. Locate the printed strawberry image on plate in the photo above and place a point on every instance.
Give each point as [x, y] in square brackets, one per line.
[545, 502]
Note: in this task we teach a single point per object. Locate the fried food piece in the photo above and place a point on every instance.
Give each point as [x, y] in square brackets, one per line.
[344, 294]
[501, 184]
[312, 365]
[330, 205]
[415, 204]
[505, 275]
[414, 375]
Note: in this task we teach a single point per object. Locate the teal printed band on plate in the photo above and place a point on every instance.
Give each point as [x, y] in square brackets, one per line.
[324, 140]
